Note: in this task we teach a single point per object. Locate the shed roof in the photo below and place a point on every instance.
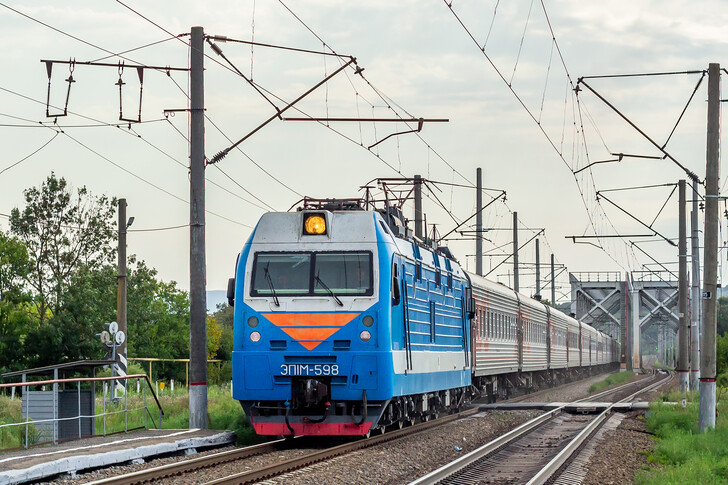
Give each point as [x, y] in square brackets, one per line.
[79, 364]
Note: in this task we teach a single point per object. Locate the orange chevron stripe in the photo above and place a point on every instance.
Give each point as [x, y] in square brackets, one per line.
[310, 329]
[310, 319]
[310, 338]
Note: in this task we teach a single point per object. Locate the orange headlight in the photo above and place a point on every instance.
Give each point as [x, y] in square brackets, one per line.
[314, 224]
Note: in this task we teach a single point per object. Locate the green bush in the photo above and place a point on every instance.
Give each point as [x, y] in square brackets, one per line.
[685, 454]
[616, 378]
[221, 375]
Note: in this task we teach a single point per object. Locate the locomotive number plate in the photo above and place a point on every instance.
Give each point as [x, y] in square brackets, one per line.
[309, 370]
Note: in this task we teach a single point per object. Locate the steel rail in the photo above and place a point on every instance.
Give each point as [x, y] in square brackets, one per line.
[180, 467]
[487, 449]
[277, 469]
[590, 397]
[510, 437]
[551, 469]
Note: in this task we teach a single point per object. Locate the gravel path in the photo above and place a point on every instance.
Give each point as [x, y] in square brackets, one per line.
[620, 453]
[623, 452]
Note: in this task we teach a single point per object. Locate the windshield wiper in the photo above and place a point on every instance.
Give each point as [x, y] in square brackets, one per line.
[270, 284]
[331, 292]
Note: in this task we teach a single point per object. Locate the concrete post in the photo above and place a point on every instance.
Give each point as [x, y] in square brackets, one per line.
[553, 282]
[695, 292]
[418, 207]
[515, 251]
[710, 306]
[479, 223]
[683, 364]
[121, 297]
[538, 272]
[198, 298]
[636, 336]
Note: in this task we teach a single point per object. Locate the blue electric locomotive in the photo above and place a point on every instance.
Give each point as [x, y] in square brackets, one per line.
[344, 326]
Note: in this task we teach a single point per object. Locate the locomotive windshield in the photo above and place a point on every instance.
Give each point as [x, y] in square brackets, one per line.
[300, 274]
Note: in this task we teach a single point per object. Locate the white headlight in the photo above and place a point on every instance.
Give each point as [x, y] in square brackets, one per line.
[255, 336]
[365, 335]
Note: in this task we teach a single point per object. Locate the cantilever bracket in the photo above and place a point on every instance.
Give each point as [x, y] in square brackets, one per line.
[69, 80]
[420, 123]
[120, 83]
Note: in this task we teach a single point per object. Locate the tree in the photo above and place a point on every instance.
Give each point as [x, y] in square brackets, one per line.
[722, 315]
[158, 317]
[62, 231]
[14, 315]
[224, 318]
[214, 336]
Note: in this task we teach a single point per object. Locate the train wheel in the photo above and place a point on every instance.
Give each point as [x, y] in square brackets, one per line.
[400, 423]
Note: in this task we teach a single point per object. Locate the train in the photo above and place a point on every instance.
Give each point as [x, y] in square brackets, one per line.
[346, 324]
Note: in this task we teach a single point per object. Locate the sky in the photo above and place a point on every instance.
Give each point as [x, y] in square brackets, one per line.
[509, 99]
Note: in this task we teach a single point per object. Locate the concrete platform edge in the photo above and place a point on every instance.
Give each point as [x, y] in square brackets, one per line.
[83, 462]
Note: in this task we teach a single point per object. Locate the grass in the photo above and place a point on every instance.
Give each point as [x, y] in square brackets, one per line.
[616, 378]
[14, 436]
[685, 455]
[224, 412]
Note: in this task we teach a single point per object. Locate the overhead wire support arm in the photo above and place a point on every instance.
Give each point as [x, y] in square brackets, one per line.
[622, 156]
[511, 254]
[644, 74]
[222, 154]
[672, 243]
[115, 64]
[690, 173]
[420, 124]
[219, 52]
[502, 194]
[222, 38]
[374, 120]
[634, 245]
[598, 236]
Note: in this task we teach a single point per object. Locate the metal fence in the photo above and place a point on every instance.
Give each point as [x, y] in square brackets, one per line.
[107, 384]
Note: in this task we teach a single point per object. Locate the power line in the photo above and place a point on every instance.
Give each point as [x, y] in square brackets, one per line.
[31, 154]
[212, 182]
[156, 229]
[149, 182]
[211, 121]
[55, 126]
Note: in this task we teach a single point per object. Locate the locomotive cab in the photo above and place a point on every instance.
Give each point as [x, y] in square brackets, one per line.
[308, 344]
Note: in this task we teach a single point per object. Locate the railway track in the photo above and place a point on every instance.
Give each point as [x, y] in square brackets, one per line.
[538, 451]
[178, 469]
